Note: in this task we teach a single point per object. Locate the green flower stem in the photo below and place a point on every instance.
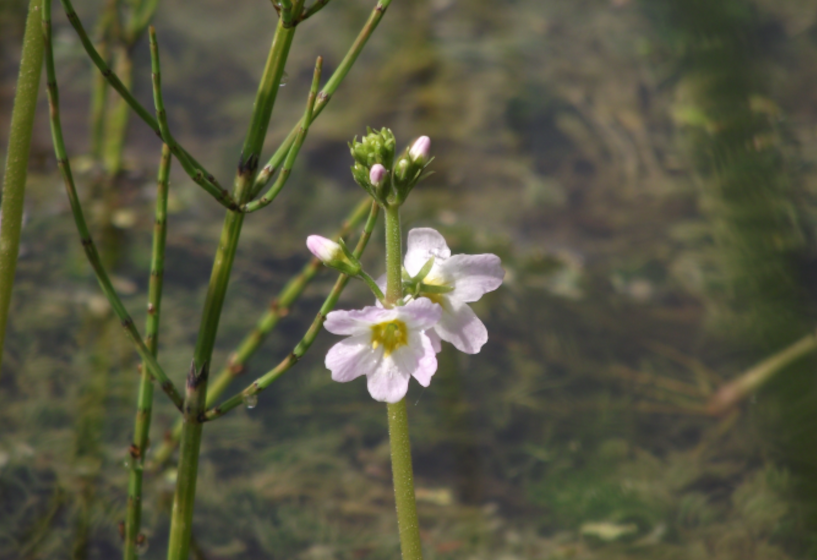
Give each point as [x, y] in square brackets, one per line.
[403, 480]
[14, 180]
[372, 285]
[195, 401]
[277, 309]
[265, 175]
[300, 349]
[400, 443]
[192, 167]
[394, 256]
[270, 195]
[144, 406]
[87, 242]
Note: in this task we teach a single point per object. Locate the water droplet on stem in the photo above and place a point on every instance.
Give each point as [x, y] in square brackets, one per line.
[250, 401]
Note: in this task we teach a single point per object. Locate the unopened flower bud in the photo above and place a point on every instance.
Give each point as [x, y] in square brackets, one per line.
[401, 169]
[325, 249]
[332, 254]
[420, 150]
[377, 174]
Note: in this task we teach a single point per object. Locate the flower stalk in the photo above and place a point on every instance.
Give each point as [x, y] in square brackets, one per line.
[399, 440]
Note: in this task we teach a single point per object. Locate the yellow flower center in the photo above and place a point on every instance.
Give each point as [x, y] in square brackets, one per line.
[391, 334]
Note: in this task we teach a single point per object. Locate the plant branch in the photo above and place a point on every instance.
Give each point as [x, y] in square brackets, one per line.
[300, 349]
[87, 242]
[266, 173]
[270, 195]
[144, 406]
[195, 399]
[193, 168]
[278, 308]
[316, 7]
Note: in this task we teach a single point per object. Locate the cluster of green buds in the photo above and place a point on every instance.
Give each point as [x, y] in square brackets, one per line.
[387, 180]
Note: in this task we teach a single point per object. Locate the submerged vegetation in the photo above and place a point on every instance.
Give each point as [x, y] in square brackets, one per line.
[645, 170]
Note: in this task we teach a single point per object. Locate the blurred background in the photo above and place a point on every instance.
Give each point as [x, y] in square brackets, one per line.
[646, 171]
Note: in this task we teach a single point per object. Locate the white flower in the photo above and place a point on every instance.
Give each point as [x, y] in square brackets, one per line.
[467, 276]
[388, 346]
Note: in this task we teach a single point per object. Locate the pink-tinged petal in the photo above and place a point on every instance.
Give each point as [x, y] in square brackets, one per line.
[436, 341]
[377, 174]
[388, 383]
[352, 357]
[460, 326]
[356, 321]
[422, 244]
[420, 150]
[427, 363]
[471, 276]
[419, 314]
[325, 249]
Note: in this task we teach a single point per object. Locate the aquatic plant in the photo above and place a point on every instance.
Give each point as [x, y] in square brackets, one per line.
[247, 185]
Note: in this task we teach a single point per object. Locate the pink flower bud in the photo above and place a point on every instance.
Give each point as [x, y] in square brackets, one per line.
[377, 174]
[325, 249]
[420, 150]
[333, 255]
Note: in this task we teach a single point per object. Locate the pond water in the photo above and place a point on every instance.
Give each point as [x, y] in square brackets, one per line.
[646, 170]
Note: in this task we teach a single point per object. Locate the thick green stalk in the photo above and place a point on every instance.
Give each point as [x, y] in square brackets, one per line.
[85, 237]
[403, 480]
[394, 255]
[192, 167]
[144, 406]
[195, 401]
[278, 308]
[400, 443]
[265, 175]
[249, 394]
[14, 180]
[270, 195]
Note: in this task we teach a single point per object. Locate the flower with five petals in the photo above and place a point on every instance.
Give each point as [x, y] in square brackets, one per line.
[464, 279]
[388, 346]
